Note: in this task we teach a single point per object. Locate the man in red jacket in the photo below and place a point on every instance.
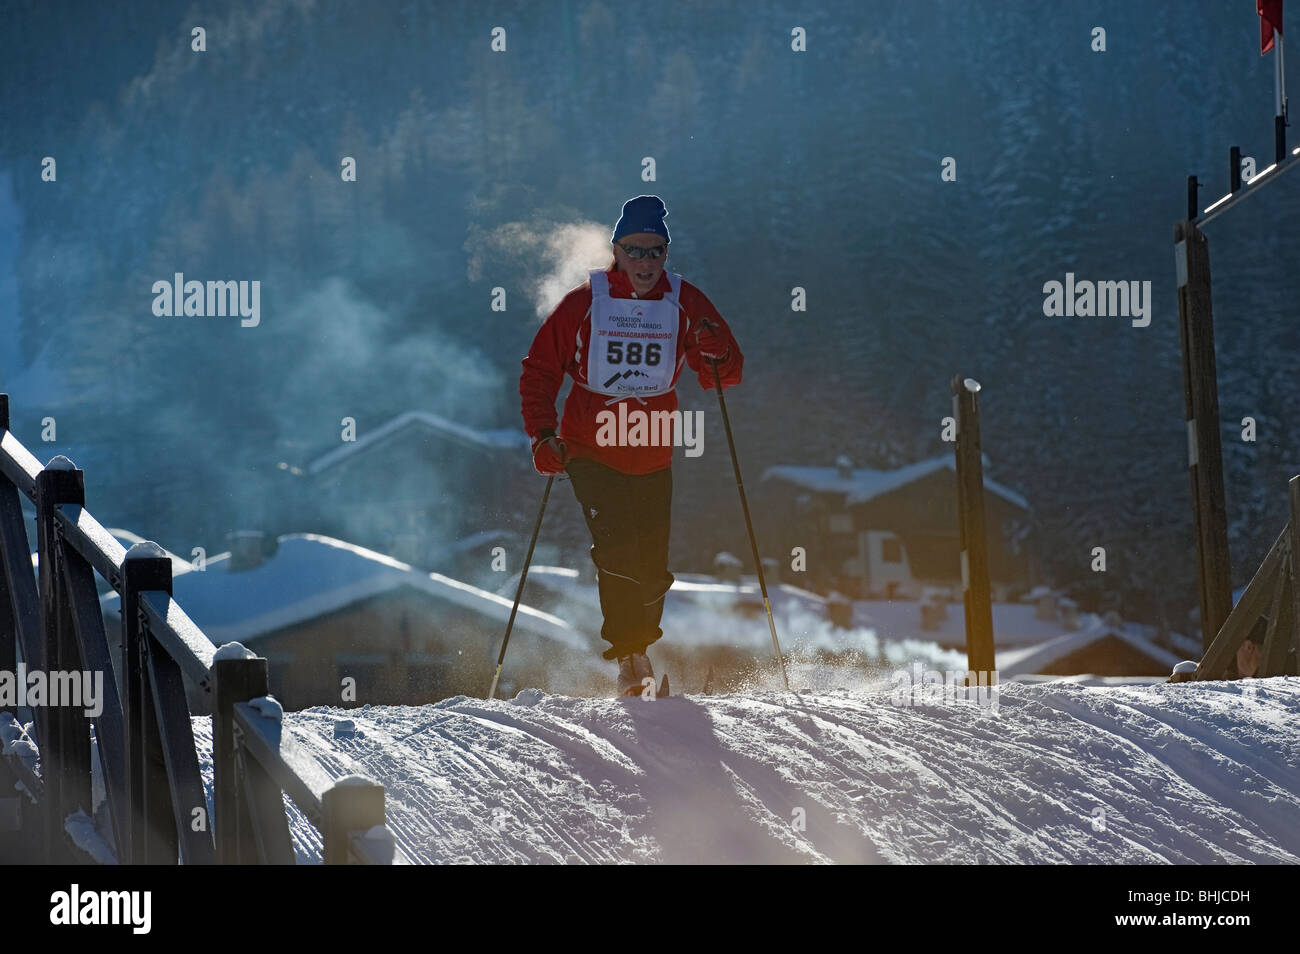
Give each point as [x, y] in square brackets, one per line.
[646, 324]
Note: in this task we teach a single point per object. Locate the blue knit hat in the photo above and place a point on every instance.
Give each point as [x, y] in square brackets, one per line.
[645, 213]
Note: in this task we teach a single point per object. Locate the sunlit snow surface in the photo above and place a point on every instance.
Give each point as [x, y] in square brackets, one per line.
[1061, 773]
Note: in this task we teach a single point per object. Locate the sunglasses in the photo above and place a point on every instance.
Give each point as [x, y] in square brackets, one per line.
[635, 251]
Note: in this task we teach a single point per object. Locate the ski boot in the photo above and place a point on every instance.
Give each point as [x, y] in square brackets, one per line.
[632, 672]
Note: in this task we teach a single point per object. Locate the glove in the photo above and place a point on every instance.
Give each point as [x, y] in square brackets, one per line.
[711, 343]
[549, 454]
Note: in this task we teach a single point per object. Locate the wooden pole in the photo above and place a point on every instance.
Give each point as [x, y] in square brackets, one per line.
[65, 737]
[153, 837]
[237, 680]
[8, 602]
[974, 537]
[1293, 489]
[1204, 450]
[352, 805]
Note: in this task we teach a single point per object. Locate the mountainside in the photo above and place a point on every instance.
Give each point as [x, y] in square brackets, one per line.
[818, 170]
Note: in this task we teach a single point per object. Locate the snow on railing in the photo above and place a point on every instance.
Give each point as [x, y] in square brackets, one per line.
[155, 815]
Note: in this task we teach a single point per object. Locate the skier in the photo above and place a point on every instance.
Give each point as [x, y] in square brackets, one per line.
[646, 323]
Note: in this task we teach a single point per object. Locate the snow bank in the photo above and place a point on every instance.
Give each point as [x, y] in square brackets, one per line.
[1061, 773]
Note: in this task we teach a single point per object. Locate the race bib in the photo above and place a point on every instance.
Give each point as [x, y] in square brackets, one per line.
[633, 346]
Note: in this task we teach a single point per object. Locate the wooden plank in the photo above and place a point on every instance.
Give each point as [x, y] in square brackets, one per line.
[151, 838]
[1272, 656]
[88, 627]
[17, 464]
[237, 681]
[185, 783]
[65, 738]
[350, 808]
[15, 552]
[977, 597]
[1253, 604]
[266, 808]
[293, 768]
[1293, 494]
[1201, 404]
[95, 544]
[181, 638]
[156, 835]
[8, 606]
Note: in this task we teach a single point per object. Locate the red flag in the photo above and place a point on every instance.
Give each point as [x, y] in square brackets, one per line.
[1270, 19]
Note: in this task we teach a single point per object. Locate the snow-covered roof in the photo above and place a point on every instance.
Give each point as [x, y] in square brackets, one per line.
[487, 439]
[700, 611]
[1033, 659]
[864, 484]
[1014, 624]
[310, 575]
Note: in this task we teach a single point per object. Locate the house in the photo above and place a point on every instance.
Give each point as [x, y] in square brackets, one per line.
[1106, 646]
[344, 625]
[891, 533]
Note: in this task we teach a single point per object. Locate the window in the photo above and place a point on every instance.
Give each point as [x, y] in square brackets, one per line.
[891, 550]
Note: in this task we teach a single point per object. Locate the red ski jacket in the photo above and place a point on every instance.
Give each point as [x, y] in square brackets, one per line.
[553, 354]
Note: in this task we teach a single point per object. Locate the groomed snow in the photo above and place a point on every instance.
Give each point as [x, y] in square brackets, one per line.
[1061, 773]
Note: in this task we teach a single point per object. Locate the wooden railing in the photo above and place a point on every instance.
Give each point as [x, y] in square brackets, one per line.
[142, 735]
[1267, 614]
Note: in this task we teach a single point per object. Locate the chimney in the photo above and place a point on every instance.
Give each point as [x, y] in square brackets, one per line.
[844, 467]
[1069, 614]
[934, 608]
[246, 549]
[1044, 603]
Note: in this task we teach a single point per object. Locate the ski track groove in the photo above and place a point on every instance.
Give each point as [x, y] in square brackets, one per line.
[939, 822]
[1181, 775]
[1183, 765]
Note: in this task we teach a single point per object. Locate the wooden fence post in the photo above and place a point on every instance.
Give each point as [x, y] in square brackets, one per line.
[8, 604]
[16, 569]
[65, 737]
[237, 680]
[1204, 451]
[153, 839]
[353, 804]
[1293, 489]
[974, 536]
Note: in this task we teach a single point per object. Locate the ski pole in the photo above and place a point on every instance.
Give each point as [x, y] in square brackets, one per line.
[744, 505]
[519, 592]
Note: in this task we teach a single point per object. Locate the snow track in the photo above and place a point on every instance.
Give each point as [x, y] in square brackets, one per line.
[1060, 773]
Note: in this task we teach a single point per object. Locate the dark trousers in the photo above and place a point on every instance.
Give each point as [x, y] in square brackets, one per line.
[628, 516]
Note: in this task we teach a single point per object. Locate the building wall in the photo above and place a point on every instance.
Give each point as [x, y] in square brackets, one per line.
[1108, 656]
[402, 648]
